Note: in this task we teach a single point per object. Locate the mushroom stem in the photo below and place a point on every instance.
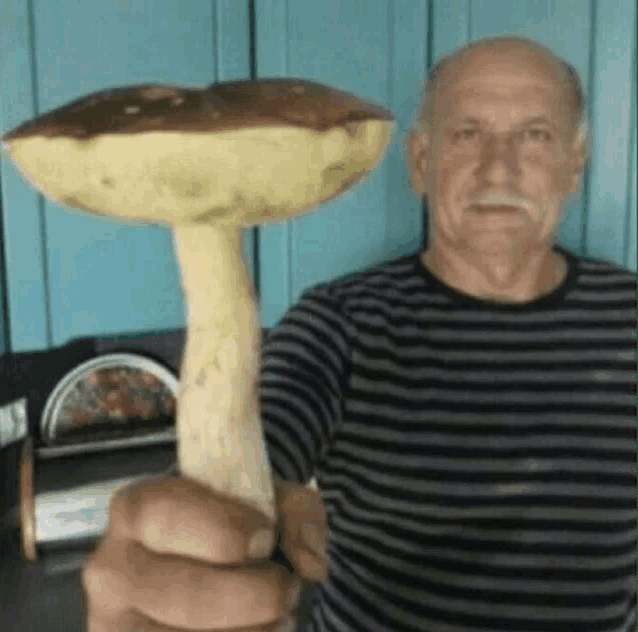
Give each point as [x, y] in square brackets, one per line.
[220, 441]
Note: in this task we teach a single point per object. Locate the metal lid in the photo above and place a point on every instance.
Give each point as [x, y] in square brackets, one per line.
[53, 410]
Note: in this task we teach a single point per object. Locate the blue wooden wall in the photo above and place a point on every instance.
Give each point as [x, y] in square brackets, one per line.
[377, 48]
[72, 275]
[69, 275]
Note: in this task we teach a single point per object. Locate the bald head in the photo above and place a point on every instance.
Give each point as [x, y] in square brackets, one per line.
[508, 50]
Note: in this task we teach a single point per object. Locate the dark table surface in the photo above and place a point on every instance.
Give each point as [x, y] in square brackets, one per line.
[40, 597]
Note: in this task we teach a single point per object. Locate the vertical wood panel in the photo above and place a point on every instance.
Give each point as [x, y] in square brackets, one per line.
[233, 63]
[347, 45]
[615, 42]
[4, 304]
[21, 217]
[408, 68]
[451, 27]
[354, 46]
[631, 257]
[274, 257]
[109, 277]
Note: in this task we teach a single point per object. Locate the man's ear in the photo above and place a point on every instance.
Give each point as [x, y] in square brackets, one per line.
[580, 154]
[417, 142]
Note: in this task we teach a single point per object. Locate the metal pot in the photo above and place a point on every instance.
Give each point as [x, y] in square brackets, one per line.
[67, 478]
[65, 498]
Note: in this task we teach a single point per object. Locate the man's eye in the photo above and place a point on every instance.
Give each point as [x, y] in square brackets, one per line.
[464, 135]
[537, 134]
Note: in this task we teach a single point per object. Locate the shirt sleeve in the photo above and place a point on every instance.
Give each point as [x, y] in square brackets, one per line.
[303, 376]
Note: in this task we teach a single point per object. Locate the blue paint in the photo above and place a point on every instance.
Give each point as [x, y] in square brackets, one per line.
[70, 275]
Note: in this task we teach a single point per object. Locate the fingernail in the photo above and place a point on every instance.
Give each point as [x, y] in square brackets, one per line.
[313, 539]
[261, 544]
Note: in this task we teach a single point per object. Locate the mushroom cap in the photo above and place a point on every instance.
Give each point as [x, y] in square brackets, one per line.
[242, 152]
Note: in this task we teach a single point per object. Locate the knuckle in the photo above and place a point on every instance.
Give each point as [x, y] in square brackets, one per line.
[137, 508]
[153, 512]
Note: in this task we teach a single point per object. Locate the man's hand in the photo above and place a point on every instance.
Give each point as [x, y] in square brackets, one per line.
[178, 557]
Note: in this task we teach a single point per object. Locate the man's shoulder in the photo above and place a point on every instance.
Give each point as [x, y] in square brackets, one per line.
[381, 276]
[600, 266]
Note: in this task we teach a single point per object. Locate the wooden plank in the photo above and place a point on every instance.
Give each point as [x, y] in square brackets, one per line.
[451, 27]
[108, 277]
[113, 276]
[272, 51]
[22, 219]
[631, 257]
[343, 44]
[232, 37]
[615, 43]
[408, 70]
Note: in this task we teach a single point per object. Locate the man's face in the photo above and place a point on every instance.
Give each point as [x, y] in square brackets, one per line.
[498, 160]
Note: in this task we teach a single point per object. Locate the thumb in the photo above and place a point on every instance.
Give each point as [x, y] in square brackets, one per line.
[304, 530]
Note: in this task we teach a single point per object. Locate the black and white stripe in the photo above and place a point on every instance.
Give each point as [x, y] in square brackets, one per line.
[477, 460]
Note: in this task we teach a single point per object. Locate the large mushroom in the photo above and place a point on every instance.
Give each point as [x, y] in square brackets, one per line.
[209, 162]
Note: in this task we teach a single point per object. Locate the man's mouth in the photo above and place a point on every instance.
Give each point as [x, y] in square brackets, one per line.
[494, 208]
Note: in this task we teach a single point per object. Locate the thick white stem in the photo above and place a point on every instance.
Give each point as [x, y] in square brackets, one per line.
[220, 441]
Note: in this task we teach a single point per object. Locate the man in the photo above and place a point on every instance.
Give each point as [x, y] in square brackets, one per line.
[468, 411]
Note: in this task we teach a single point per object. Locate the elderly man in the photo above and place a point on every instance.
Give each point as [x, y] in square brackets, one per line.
[468, 411]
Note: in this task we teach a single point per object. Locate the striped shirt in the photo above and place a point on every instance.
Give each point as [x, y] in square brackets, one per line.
[477, 459]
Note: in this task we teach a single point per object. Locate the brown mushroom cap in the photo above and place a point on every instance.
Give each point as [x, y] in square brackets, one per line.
[220, 106]
[244, 151]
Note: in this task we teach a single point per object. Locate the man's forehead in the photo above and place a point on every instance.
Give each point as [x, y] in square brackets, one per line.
[502, 88]
[528, 82]
[504, 69]
[516, 93]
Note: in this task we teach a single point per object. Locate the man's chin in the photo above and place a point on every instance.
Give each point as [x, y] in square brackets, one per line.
[499, 244]
[498, 257]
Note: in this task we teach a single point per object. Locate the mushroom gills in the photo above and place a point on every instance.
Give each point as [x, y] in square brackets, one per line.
[252, 173]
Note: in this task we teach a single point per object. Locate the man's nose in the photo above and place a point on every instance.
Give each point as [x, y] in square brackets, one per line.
[499, 160]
